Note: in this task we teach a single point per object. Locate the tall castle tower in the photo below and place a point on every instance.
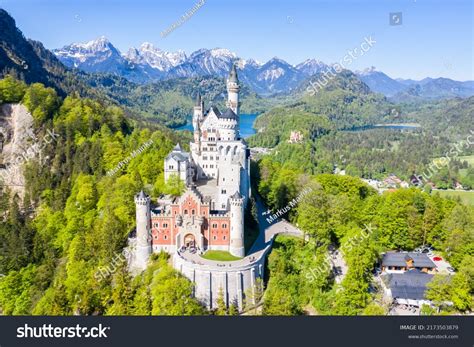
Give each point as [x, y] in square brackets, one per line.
[198, 115]
[237, 225]
[233, 91]
[143, 245]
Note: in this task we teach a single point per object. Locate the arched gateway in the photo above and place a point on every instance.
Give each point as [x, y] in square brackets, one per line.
[189, 241]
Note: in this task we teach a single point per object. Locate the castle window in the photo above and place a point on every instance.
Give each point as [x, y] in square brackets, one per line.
[156, 237]
[214, 225]
[212, 158]
[193, 212]
[224, 237]
[165, 237]
[165, 225]
[185, 211]
[170, 167]
[204, 157]
[214, 237]
[223, 191]
[156, 225]
[223, 205]
[224, 225]
[212, 166]
[223, 179]
[217, 158]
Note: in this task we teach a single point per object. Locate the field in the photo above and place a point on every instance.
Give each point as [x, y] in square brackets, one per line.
[219, 255]
[467, 197]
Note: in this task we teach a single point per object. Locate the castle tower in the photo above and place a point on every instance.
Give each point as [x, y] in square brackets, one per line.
[143, 219]
[237, 225]
[198, 114]
[233, 91]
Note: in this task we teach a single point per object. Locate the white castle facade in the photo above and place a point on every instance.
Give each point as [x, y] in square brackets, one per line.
[209, 215]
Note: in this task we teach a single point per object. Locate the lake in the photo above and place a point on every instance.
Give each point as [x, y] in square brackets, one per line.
[246, 124]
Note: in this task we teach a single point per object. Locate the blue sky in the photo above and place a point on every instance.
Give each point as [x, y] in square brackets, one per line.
[435, 38]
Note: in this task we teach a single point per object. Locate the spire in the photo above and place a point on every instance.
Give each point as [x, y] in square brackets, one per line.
[236, 195]
[198, 99]
[233, 75]
[177, 148]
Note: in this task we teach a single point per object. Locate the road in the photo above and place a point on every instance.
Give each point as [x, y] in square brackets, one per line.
[261, 246]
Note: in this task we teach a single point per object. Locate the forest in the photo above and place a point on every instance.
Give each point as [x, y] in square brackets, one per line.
[337, 212]
[336, 128]
[74, 220]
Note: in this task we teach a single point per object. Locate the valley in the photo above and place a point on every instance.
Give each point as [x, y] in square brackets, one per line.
[386, 165]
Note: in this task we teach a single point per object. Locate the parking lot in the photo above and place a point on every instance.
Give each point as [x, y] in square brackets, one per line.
[404, 310]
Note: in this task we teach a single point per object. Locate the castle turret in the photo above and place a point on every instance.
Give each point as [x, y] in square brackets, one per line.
[198, 115]
[143, 219]
[237, 225]
[233, 91]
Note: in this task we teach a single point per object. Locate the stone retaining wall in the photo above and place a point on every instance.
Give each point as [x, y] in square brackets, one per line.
[235, 281]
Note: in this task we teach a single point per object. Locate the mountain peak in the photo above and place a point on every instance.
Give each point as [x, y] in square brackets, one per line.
[275, 61]
[148, 46]
[100, 43]
[149, 55]
[222, 52]
[366, 71]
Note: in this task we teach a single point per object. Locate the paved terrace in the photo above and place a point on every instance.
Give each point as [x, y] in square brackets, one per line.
[259, 249]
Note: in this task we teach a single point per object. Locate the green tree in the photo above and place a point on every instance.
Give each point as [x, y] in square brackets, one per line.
[11, 90]
[174, 186]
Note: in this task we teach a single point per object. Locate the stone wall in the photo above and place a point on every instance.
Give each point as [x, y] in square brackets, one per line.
[235, 280]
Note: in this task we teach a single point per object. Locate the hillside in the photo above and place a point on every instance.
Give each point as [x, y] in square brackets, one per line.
[30, 61]
[344, 103]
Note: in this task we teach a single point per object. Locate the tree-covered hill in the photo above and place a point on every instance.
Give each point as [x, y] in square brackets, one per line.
[30, 61]
[62, 242]
[343, 212]
[345, 102]
[171, 101]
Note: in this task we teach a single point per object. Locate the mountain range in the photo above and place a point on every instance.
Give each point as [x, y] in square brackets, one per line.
[410, 90]
[148, 64]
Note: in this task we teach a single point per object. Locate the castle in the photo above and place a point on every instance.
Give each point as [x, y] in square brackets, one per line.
[209, 215]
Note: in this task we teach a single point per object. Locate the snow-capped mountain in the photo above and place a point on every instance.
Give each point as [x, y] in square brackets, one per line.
[311, 67]
[148, 54]
[275, 76]
[213, 62]
[148, 64]
[94, 56]
[380, 82]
